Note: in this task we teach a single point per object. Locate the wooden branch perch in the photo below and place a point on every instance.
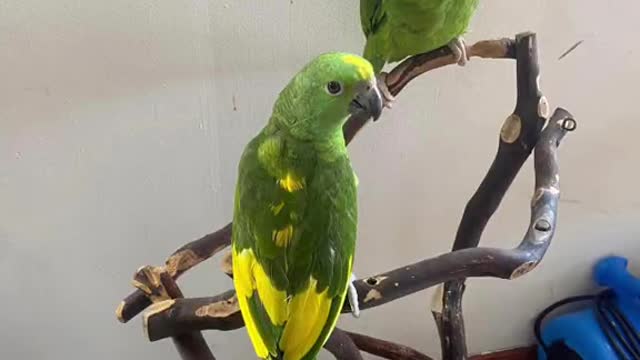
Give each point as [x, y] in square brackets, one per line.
[174, 316]
[202, 249]
[385, 349]
[417, 65]
[179, 262]
[222, 313]
[517, 139]
[343, 346]
[162, 289]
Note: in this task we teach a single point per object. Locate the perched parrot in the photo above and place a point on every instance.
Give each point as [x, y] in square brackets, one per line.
[295, 211]
[396, 29]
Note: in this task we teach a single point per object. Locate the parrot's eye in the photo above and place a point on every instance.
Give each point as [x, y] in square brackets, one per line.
[334, 88]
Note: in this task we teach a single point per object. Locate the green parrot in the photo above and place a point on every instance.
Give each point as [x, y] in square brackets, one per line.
[295, 210]
[396, 29]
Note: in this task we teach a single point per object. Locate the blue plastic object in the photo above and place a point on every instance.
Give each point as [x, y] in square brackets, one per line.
[580, 330]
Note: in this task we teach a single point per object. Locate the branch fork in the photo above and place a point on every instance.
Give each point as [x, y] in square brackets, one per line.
[525, 131]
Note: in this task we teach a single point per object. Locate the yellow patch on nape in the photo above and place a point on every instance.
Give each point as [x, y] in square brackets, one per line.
[282, 237]
[276, 209]
[291, 183]
[309, 312]
[364, 68]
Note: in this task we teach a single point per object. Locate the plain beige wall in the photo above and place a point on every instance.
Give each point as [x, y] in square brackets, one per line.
[121, 123]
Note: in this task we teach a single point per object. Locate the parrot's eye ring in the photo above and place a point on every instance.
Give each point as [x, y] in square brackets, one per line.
[334, 88]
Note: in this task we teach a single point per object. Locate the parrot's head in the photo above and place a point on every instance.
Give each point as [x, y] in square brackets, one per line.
[320, 98]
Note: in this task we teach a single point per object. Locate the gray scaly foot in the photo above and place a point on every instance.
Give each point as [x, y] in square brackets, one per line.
[459, 49]
[352, 294]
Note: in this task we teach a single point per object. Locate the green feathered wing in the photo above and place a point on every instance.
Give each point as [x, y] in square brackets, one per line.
[294, 232]
[395, 29]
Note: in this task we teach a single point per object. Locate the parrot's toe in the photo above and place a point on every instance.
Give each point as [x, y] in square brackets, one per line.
[352, 294]
[384, 90]
[459, 49]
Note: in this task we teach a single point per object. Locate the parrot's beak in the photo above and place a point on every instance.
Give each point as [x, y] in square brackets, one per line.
[368, 100]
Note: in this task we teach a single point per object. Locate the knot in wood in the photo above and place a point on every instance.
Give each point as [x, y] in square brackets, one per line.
[542, 225]
[511, 128]
[372, 295]
[181, 261]
[221, 309]
[375, 280]
[569, 124]
[543, 107]
[523, 269]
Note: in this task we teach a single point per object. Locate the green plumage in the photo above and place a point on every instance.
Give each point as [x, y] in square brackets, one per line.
[323, 213]
[395, 29]
[296, 174]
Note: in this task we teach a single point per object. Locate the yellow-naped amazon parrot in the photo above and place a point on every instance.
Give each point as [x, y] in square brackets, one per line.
[396, 29]
[295, 211]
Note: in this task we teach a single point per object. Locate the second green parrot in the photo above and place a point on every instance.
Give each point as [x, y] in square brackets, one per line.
[295, 214]
[396, 29]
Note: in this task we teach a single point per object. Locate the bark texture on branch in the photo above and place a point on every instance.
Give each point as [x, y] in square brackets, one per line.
[185, 315]
[385, 349]
[342, 346]
[518, 137]
[223, 314]
[200, 250]
[417, 65]
[160, 287]
[177, 317]
[180, 261]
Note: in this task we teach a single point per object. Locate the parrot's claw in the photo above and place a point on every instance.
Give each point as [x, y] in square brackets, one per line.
[459, 49]
[384, 90]
[353, 297]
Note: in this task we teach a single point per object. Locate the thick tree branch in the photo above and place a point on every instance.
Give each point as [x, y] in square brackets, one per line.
[199, 250]
[173, 316]
[185, 315]
[385, 349]
[161, 288]
[343, 346]
[221, 312]
[518, 137]
[417, 65]
[180, 261]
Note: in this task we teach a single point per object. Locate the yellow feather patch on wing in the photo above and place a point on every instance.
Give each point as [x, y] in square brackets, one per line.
[283, 236]
[273, 300]
[245, 285]
[291, 183]
[275, 209]
[308, 315]
[364, 68]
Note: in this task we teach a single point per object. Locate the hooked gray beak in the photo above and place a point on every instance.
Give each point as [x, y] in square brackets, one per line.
[368, 101]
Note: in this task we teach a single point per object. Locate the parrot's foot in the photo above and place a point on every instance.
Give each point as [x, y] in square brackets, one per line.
[459, 49]
[353, 297]
[384, 90]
